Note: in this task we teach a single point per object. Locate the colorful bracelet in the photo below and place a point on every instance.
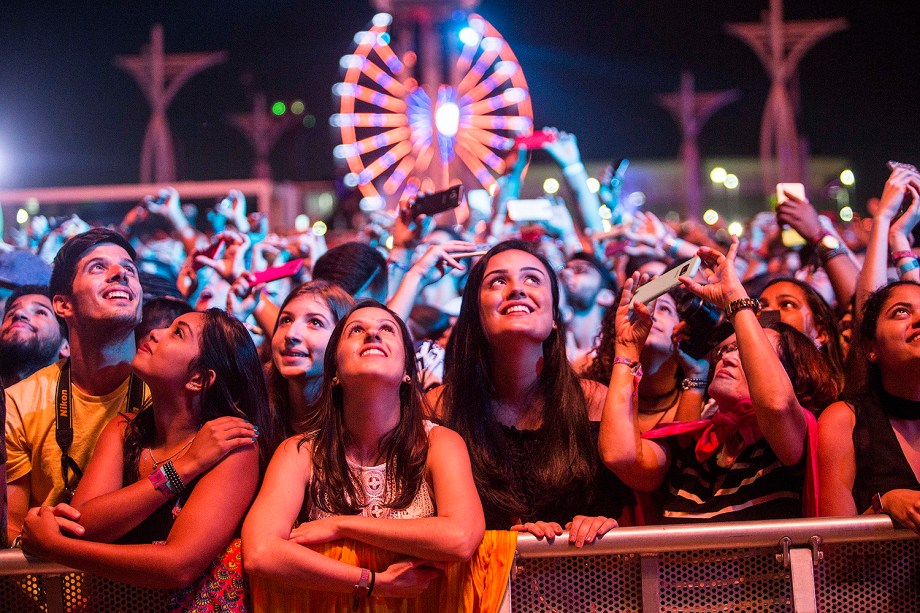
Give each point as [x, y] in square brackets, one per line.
[674, 248]
[175, 481]
[161, 483]
[693, 384]
[908, 266]
[900, 255]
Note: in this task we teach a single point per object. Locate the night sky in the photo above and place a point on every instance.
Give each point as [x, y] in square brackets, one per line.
[68, 116]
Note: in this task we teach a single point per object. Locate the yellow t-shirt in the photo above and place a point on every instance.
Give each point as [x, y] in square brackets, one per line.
[30, 430]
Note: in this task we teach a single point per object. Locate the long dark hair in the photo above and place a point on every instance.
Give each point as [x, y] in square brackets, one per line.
[864, 377]
[338, 301]
[469, 390]
[238, 389]
[404, 449]
[808, 368]
[824, 318]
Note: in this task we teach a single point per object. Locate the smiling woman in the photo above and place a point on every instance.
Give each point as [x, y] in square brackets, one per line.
[511, 393]
[868, 445]
[371, 469]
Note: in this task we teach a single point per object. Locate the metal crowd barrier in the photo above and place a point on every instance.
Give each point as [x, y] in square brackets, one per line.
[832, 565]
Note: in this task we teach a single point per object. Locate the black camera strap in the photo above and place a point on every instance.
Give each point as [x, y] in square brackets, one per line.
[63, 434]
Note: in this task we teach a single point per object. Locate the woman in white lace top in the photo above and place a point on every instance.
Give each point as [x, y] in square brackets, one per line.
[374, 471]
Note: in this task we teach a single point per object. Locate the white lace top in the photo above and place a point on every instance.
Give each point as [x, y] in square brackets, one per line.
[373, 480]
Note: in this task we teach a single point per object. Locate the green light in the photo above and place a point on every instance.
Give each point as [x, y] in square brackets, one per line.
[279, 108]
[297, 107]
[846, 214]
[309, 121]
[847, 177]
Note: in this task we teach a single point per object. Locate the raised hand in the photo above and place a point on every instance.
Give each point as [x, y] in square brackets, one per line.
[633, 322]
[722, 284]
[800, 215]
[896, 188]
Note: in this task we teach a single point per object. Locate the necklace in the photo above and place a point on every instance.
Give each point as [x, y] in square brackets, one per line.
[157, 464]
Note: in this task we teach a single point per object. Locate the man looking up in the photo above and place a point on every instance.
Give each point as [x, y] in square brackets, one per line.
[589, 290]
[55, 416]
[31, 335]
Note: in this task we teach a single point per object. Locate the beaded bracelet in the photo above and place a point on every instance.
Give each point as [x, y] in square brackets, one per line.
[161, 483]
[908, 266]
[175, 481]
[900, 255]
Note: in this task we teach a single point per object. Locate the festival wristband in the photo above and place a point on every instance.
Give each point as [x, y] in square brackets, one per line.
[908, 266]
[161, 483]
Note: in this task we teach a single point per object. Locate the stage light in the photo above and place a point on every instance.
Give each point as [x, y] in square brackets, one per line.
[711, 217]
[736, 228]
[468, 36]
[381, 20]
[594, 185]
[447, 119]
[846, 214]
[718, 174]
[604, 212]
[551, 186]
[309, 121]
[351, 180]
[371, 203]
[22, 216]
[731, 181]
[279, 108]
[301, 223]
[297, 107]
[325, 201]
[319, 228]
[847, 177]
[32, 205]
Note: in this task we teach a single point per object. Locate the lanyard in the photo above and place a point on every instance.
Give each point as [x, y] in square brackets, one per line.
[63, 433]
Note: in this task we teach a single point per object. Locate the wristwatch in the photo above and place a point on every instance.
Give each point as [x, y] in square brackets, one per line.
[828, 247]
[693, 384]
[739, 305]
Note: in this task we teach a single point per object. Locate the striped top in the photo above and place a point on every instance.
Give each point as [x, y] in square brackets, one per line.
[756, 486]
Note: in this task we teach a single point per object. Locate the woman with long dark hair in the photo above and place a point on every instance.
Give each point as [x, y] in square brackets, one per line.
[298, 344]
[144, 511]
[372, 469]
[868, 443]
[530, 422]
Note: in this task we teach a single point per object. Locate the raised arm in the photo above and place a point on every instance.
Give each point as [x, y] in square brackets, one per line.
[639, 463]
[779, 414]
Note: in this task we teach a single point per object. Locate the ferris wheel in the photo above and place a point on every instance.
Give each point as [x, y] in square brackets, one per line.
[399, 137]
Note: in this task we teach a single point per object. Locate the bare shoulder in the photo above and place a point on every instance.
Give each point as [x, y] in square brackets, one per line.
[839, 415]
[442, 436]
[595, 394]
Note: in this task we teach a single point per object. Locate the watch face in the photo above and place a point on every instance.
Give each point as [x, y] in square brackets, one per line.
[830, 242]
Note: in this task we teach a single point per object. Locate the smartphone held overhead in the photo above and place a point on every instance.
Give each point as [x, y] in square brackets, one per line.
[667, 281]
[288, 269]
[438, 202]
[791, 238]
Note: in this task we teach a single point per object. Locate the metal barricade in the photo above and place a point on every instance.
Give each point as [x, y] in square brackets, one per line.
[832, 565]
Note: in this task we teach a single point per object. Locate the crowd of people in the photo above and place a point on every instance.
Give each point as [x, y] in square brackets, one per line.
[171, 417]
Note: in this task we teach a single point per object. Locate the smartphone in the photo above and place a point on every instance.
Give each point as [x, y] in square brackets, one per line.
[480, 201]
[438, 202]
[209, 252]
[667, 281]
[791, 238]
[288, 269]
[537, 139]
[535, 209]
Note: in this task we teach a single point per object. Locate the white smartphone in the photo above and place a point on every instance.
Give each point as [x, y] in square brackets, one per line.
[536, 209]
[791, 238]
[667, 281]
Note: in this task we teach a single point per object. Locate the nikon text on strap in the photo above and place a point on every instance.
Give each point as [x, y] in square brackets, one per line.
[63, 434]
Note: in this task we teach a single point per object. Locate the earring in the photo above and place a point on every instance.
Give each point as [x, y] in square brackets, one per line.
[335, 381]
[872, 357]
[407, 378]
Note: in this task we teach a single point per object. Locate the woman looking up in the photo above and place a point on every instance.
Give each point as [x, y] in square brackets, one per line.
[373, 470]
[157, 477]
[511, 393]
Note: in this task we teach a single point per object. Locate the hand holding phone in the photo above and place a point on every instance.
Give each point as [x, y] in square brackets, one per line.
[667, 281]
[791, 238]
[209, 252]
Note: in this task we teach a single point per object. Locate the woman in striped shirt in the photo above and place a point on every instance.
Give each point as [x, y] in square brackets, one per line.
[752, 459]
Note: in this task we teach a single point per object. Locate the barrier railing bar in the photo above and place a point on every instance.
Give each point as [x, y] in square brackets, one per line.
[661, 539]
[15, 562]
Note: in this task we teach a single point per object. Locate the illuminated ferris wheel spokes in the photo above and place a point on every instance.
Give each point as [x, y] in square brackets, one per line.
[392, 129]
